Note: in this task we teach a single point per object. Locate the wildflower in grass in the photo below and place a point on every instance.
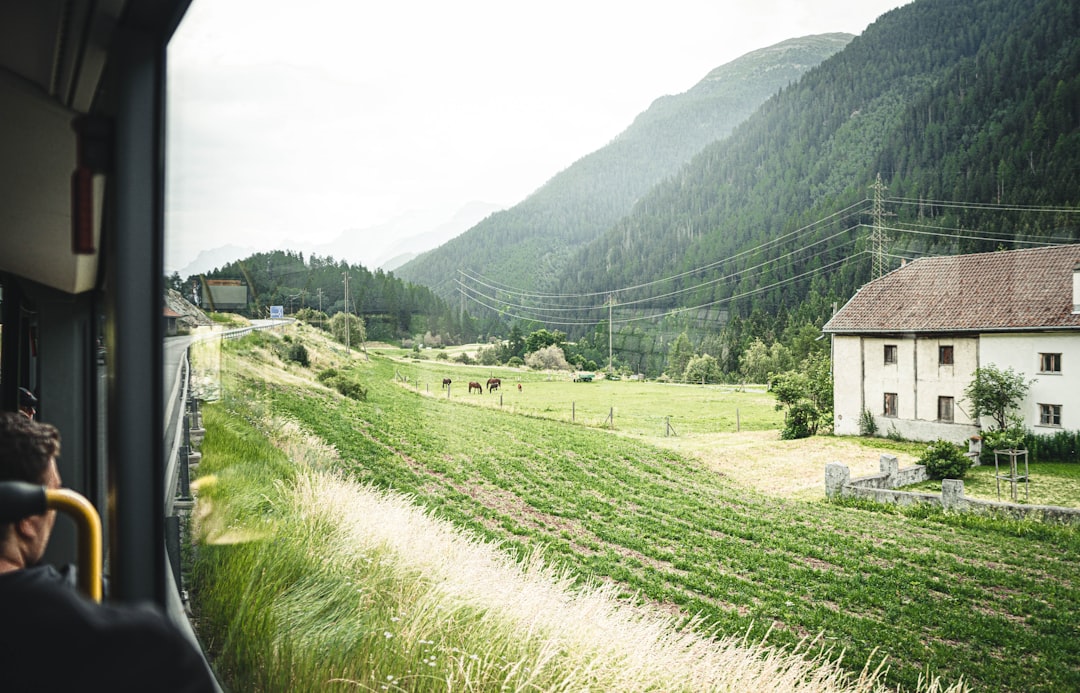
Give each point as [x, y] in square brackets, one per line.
[387, 634]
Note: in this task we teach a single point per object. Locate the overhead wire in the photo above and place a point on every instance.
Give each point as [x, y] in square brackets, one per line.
[536, 313]
[847, 212]
[539, 311]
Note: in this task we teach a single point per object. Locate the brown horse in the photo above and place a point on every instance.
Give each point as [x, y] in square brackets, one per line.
[477, 386]
[493, 384]
[446, 382]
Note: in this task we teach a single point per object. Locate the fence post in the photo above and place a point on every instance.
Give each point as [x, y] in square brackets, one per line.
[836, 475]
[738, 424]
[573, 412]
[952, 494]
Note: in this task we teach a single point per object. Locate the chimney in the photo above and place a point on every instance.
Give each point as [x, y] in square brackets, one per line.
[1076, 289]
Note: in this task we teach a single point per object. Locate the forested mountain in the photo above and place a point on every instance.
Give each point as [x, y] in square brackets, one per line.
[968, 109]
[391, 308]
[529, 244]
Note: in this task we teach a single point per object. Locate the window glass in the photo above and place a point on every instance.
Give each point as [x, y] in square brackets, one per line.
[1050, 414]
[890, 404]
[890, 353]
[945, 355]
[1050, 363]
[945, 408]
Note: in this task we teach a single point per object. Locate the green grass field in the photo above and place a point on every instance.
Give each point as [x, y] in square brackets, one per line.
[635, 407]
[1049, 484]
[988, 601]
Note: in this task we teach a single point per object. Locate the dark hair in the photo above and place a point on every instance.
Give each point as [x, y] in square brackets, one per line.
[26, 447]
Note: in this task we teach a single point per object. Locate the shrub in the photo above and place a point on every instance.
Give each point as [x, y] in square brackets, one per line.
[945, 460]
[343, 383]
[298, 354]
[515, 362]
[350, 387]
[800, 420]
[1063, 446]
[547, 358]
[867, 423]
[488, 356]
[442, 356]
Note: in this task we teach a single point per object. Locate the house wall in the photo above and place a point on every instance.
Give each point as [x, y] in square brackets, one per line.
[847, 384]
[861, 377]
[1021, 353]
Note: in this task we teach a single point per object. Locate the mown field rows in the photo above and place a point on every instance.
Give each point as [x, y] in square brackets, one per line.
[990, 601]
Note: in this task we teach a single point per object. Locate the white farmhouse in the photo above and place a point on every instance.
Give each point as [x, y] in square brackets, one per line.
[907, 344]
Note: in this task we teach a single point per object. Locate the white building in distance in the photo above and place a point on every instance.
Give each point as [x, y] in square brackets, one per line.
[907, 344]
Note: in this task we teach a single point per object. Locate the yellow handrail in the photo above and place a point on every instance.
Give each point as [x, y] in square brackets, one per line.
[82, 511]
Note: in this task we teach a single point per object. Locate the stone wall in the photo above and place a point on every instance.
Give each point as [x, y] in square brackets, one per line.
[882, 488]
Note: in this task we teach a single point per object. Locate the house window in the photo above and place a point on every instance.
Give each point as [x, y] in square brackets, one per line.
[1049, 363]
[890, 353]
[945, 409]
[945, 355]
[1050, 414]
[890, 404]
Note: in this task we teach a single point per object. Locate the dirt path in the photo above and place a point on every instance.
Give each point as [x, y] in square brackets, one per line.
[787, 468]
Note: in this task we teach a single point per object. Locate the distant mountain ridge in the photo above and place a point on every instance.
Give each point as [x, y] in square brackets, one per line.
[958, 105]
[529, 244]
[401, 239]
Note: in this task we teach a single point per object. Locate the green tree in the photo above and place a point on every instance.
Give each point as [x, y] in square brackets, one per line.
[759, 362]
[543, 338]
[995, 393]
[703, 369]
[808, 395]
[679, 355]
[356, 332]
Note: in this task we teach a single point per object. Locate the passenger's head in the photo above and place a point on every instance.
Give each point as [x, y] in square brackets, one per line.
[28, 452]
[26, 448]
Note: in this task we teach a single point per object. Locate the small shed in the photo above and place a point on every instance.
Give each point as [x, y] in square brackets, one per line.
[170, 317]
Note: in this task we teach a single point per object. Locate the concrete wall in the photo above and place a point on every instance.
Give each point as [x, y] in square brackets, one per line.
[882, 488]
[847, 384]
[861, 378]
[1021, 352]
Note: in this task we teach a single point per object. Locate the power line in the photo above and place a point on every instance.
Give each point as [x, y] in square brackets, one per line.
[674, 311]
[846, 213]
[973, 238]
[984, 205]
[541, 311]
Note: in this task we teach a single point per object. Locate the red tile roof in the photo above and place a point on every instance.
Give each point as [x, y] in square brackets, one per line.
[1003, 290]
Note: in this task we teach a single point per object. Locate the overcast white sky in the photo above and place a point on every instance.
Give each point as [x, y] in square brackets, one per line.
[302, 120]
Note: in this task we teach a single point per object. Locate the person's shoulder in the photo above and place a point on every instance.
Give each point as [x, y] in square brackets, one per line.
[109, 647]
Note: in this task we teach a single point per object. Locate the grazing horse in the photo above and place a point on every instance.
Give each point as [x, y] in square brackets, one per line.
[493, 384]
[446, 382]
[477, 386]
[519, 387]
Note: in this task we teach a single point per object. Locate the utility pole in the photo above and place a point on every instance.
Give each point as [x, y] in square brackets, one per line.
[610, 304]
[878, 238]
[347, 330]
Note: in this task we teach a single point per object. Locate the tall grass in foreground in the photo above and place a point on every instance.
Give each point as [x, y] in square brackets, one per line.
[307, 581]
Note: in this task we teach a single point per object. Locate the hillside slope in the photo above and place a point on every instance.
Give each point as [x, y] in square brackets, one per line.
[975, 101]
[529, 244]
